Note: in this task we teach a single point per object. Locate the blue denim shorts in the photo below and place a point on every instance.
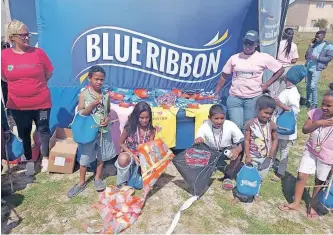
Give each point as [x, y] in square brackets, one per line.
[100, 149]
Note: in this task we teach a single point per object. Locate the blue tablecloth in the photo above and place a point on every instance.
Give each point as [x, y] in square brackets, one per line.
[184, 131]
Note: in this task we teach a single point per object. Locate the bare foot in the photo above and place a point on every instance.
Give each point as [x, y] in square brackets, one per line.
[257, 198]
[235, 201]
[289, 207]
[276, 178]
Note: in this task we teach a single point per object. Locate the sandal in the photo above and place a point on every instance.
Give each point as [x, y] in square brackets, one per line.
[76, 190]
[228, 184]
[312, 215]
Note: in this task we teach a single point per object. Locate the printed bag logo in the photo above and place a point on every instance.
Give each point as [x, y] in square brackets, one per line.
[111, 46]
[197, 158]
[10, 67]
[252, 184]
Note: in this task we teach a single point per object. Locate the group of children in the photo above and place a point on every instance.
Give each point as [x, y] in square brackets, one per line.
[260, 143]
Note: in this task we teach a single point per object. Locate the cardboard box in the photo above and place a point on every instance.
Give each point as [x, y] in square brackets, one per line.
[61, 135]
[63, 151]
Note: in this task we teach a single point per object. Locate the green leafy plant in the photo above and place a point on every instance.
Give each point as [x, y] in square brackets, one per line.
[321, 23]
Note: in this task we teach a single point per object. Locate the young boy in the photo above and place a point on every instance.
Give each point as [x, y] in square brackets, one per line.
[220, 134]
[92, 101]
[288, 99]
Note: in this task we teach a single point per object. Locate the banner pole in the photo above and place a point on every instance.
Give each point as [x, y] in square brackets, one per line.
[7, 11]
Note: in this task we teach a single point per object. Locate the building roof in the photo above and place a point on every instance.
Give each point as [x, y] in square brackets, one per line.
[295, 1]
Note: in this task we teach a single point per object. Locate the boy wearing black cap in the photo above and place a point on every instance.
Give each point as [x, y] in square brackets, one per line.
[288, 100]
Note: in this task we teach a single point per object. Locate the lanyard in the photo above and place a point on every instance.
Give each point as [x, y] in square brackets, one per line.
[266, 139]
[98, 97]
[220, 135]
[138, 136]
[319, 143]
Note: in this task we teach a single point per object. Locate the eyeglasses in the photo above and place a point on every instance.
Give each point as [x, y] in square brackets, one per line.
[22, 35]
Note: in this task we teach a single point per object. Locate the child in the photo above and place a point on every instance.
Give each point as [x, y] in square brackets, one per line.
[138, 130]
[219, 134]
[317, 158]
[261, 138]
[93, 101]
[288, 99]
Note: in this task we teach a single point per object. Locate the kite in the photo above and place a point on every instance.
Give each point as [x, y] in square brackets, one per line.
[196, 165]
[120, 208]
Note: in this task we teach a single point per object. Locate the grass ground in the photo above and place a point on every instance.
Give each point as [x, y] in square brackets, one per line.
[41, 205]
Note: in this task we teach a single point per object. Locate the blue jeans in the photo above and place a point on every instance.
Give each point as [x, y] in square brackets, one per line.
[241, 110]
[312, 87]
[124, 173]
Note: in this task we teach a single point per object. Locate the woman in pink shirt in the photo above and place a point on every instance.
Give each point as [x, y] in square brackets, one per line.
[26, 70]
[317, 158]
[247, 69]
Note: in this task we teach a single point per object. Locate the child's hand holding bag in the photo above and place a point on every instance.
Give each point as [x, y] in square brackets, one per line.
[84, 128]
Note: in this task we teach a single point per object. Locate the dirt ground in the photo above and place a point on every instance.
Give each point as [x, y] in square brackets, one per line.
[40, 205]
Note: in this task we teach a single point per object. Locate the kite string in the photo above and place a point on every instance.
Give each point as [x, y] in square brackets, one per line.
[189, 201]
[185, 206]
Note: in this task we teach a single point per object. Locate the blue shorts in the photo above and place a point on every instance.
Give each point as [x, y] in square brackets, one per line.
[100, 149]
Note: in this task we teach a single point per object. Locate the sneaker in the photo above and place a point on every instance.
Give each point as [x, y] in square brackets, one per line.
[308, 104]
[76, 190]
[30, 168]
[99, 185]
[45, 164]
[23, 159]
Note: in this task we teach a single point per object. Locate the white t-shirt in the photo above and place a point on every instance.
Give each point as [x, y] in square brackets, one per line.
[231, 134]
[290, 97]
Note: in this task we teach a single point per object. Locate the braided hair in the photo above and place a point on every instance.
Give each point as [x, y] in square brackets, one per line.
[288, 34]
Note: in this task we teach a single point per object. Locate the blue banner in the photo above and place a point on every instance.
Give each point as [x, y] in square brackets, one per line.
[147, 43]
[151, 44]
[269, 25]
[25, 11]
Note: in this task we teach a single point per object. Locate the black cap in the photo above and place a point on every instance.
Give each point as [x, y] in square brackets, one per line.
[252, 36]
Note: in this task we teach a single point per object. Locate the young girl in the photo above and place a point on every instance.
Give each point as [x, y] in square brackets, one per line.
[317, 158]
[93, 101]
[287, 54]
[288, 100]
[261, 138]
[138, 130]
[219, 134]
